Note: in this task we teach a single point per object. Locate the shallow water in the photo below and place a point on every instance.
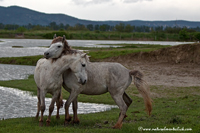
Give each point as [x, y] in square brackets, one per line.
[36, 46]
[16, 103]
[12, 72]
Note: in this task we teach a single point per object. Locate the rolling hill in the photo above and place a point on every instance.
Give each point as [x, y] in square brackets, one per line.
[23, 16]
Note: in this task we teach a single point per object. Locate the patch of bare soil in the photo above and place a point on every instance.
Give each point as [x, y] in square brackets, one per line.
[174, 66]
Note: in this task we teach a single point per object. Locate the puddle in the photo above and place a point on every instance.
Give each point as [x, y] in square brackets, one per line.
[16, 103]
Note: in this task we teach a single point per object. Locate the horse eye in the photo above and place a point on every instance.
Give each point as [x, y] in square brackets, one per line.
[83, 65]
[59, 46]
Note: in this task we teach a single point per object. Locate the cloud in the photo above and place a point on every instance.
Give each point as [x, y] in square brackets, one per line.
[134, 1]
[89, 2]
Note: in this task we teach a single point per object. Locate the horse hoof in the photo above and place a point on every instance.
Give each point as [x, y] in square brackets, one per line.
[117, 126]
[68, 119]
[48, 124]
[66, 123]
[58, 117]
[41, 124]
[76, 122]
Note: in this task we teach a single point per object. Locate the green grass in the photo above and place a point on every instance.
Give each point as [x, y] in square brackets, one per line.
[172, 107]
[26, 60]
[95, 53]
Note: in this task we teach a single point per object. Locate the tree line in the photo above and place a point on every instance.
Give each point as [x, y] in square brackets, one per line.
[104, 27]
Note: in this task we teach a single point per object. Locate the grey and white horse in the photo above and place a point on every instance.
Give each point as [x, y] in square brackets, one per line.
[48, 74]
[105, 77]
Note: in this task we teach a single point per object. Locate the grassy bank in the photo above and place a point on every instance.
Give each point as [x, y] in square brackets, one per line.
[96, 53]
[173, 107]
[102, 35]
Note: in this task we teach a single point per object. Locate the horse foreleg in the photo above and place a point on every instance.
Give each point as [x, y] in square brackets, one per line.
[51, 107]
[123, 108]
[75, 107]
[71, 98]
[42, 107]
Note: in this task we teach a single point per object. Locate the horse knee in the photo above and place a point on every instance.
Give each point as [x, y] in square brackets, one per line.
[42, 108]
[51, 108]
[66, 105]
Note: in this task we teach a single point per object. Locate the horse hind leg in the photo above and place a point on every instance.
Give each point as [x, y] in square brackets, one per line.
[123, 108]
[38, 104]
[127, 100]
[59, 104]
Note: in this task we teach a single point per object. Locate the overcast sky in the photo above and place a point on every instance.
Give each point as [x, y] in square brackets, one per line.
[116, 9]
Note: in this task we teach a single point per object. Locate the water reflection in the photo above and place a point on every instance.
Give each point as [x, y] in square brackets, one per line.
[16, 103]
[33, 46]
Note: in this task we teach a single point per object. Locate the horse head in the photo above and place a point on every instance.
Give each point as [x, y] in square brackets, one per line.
[58, 47]
[78, 67]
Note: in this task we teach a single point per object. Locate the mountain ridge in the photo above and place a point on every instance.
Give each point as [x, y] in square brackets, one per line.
[24, 16]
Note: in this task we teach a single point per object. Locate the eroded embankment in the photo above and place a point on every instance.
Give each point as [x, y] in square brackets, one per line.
[186, 53]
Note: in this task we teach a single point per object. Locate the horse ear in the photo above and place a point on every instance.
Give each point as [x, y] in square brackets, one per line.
[63, 38]
[54, 36]
[83, 55]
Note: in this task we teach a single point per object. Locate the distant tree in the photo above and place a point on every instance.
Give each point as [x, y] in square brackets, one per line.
[67, 26]
[39, 27]
[183, 34]
[29, 26]
[102, 27]
[128, 28]
[1, 26]
[90, 27]
[61, 26]
[120, 27]
[159, 28]
[53, 26]
[21, 29]
[11, 27]
[96, 27]
[79, 26]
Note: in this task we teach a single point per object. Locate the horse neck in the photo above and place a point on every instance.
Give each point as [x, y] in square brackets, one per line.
[64, 63]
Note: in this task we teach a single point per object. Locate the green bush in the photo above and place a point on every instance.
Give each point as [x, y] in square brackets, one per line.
[197, 36]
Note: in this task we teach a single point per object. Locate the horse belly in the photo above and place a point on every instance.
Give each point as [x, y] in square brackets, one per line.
[94, 90]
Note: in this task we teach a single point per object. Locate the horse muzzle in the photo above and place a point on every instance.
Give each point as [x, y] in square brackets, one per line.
[46, 55]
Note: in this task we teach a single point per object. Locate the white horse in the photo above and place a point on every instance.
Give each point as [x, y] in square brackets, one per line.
[48, 74]
[105, 77]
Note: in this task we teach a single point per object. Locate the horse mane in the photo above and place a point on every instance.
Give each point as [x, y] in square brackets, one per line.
[67, 49]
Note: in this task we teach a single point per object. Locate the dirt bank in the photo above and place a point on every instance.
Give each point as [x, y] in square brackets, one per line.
[174, 66]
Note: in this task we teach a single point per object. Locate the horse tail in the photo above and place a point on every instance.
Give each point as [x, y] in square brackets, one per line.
[143, 89]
